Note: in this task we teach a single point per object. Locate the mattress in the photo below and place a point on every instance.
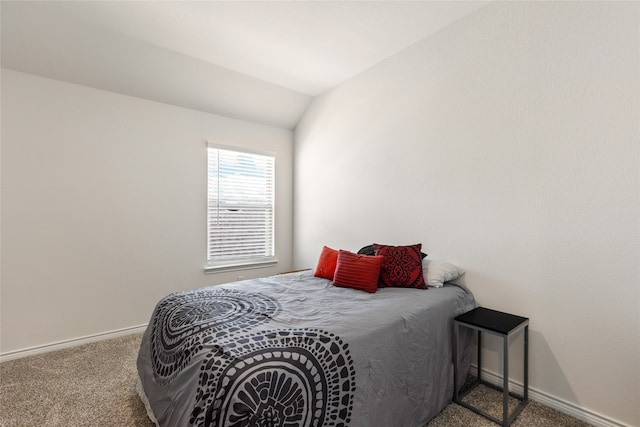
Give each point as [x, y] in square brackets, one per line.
[294, 350]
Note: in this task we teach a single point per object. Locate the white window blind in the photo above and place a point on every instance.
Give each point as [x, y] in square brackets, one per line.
[240, 208]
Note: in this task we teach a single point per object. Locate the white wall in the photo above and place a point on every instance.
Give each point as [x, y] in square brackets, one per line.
[104, 205]
[38, 39]
[509, 144]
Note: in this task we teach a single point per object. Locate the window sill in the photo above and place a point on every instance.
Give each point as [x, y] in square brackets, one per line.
[244, 266]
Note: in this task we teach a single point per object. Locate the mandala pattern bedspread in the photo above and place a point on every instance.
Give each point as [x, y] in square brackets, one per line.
[294, 351]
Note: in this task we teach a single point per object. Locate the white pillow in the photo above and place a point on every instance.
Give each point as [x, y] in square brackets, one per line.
[437, 272]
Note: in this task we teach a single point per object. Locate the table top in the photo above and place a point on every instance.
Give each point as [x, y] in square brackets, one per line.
[492, 320]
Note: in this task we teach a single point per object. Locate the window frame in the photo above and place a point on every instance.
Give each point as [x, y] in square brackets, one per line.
[241, 263]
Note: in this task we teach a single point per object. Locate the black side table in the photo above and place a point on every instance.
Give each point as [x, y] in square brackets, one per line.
[504, 325]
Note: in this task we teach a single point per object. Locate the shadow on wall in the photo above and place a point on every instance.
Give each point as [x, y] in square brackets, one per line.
[543, 368]
[549, 372]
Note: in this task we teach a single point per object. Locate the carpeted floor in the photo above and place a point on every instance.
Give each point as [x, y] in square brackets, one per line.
[94, 385]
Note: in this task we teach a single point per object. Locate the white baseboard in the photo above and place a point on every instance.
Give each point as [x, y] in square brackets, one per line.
[31, 351]
[554, 402]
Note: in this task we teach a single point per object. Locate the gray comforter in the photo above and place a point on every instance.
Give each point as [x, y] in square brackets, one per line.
[293, 350]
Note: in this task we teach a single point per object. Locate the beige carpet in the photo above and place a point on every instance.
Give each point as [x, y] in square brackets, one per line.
[94, 385]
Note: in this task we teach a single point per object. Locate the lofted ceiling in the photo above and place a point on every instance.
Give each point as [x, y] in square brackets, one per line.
[255, 60]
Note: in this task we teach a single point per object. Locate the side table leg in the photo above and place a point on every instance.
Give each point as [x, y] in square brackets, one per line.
[479, 341]
[526, 362]
[505, 383]
[456, 331]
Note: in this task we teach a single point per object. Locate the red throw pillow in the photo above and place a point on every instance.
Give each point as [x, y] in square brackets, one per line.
[401, 266]
[357, 271]
[327, 263]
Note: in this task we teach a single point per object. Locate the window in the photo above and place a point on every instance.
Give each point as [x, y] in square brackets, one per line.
[240, 213]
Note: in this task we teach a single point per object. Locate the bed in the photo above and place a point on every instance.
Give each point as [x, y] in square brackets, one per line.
[295, 350]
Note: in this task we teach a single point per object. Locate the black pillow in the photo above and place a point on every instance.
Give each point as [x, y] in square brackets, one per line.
[368, 250]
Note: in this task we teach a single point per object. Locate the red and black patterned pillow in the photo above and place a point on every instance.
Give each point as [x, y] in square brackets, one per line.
[401, 266]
